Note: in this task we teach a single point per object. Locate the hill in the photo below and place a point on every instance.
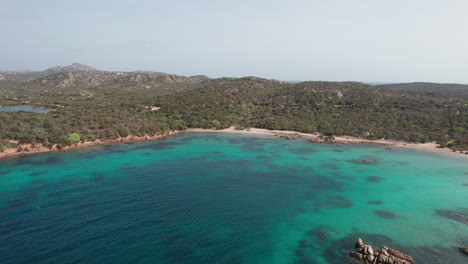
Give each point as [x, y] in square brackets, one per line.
[108, 105]
[8, 76]
[82, 75]
[443, 89]
[75, 67]
[101, 78]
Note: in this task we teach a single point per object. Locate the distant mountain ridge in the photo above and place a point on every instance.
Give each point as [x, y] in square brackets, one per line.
[88, 79]
[75, 67]
[7, 76]
[78, 74]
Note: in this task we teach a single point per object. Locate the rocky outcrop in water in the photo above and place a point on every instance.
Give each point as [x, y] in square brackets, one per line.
[366, 254]
[463, 249]
[289, 135]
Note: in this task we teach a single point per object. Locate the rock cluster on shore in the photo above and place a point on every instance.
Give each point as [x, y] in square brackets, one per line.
[366, 254]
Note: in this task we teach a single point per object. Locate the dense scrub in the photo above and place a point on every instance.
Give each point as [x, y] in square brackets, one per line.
[110, 108]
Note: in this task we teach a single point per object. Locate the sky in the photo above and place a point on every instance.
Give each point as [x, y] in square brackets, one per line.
[330, 40]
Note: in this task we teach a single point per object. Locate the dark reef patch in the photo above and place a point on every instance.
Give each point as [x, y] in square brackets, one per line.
[96, 176]
[9, 226]
[40, 162]
[268, 164]
[347, 177]
[159, 145]
[188, 137]
[329, 166]
[337, 202]
[249, 143]
[305, 259]
[261, 157]
[308, 169]
[385, 214]
[87, 155]
[18, 204]
[34, 174]
[453, 215]
[321, 236]
[319, 183]
[300, 151]
[5, 172]
[375, 178]
[364, 161]
[113, 148]
[178, 254]
[172, 238]
[465, 184]
[338, 150]
[375, 202]
[219, 154]
[303, 158]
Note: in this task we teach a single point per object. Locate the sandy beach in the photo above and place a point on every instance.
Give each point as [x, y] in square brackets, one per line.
[431, 146]
[29, 149]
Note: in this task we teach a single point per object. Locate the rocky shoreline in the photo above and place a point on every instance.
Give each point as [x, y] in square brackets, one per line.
[26, 149]
[32, 149]
[366, 254]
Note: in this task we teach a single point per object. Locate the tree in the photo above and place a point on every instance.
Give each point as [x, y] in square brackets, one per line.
[216, 123]
[182, 125]
[72, 139]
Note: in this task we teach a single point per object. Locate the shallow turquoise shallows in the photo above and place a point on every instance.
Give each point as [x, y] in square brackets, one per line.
[227, 198]
[22, 108]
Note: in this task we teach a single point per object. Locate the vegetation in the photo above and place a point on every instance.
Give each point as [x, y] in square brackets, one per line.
[72, 139]
[6, 144]
[103, 105]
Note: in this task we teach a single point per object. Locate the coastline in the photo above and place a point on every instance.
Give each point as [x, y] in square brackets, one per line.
[28, 149]
[11, 152]
[431, 146]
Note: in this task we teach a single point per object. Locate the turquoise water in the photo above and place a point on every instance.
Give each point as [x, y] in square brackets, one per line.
[22, 108]
[226, 198]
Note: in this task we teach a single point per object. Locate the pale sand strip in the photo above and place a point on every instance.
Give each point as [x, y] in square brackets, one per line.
[250, 131]
[432, 146]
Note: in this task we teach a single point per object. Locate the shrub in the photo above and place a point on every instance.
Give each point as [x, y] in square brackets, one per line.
[72, 139]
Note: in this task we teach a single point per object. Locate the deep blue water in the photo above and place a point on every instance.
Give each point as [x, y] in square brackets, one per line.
[218, 198]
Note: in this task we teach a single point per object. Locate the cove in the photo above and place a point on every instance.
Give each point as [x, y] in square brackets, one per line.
[230, 198]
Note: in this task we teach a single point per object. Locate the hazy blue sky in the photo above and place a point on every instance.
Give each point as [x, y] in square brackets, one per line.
[361, 40]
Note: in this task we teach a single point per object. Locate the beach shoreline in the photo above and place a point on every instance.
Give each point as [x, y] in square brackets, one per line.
[430, 146]
[28, 149]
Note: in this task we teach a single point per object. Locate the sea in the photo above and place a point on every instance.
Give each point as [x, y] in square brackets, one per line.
[231, 198]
